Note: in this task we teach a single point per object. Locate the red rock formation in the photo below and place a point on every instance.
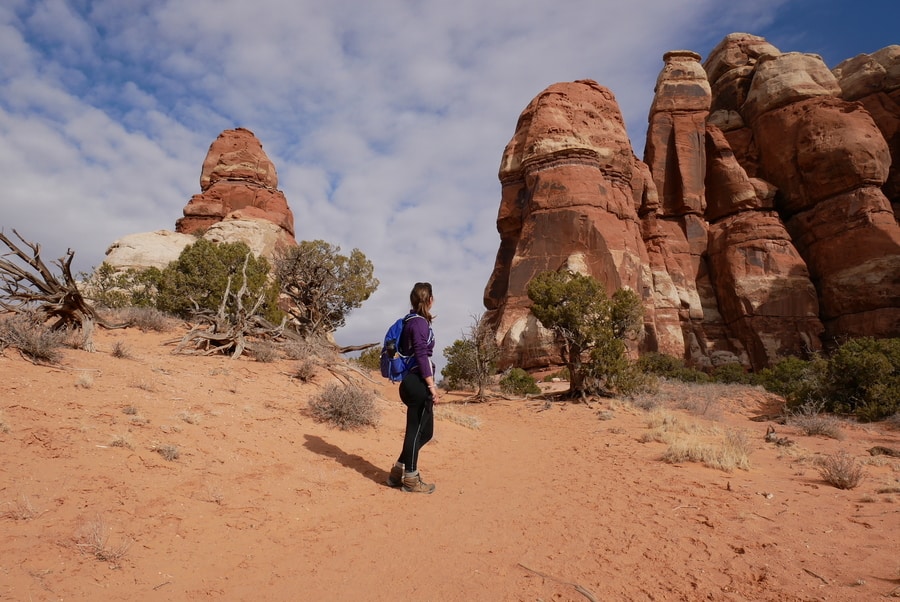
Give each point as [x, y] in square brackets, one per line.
[761, 206]
[874, 81]
[237, 181]
[567, 201]
[829, 160]
[764, 293]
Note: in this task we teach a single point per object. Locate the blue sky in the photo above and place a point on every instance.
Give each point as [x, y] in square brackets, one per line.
[386, 120]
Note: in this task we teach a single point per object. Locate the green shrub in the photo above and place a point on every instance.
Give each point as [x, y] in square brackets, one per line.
[731, 373]
[115, 289]
[660, 363]
[864, 378]
[344, 406]
[370, 359]
[200, 276]
[472, 360]
[799, 381]
[518, 382]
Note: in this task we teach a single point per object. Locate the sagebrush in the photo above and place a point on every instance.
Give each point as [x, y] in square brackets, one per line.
[344, 406]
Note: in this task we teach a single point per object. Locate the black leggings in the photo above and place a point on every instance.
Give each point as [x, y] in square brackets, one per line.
[419, 418]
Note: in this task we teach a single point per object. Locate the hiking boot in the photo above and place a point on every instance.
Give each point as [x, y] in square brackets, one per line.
[395, 479]
[413, 483]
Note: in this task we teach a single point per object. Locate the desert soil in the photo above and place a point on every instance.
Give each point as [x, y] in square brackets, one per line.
[534, 501]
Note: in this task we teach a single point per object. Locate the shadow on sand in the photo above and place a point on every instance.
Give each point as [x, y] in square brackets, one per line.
[358, 463]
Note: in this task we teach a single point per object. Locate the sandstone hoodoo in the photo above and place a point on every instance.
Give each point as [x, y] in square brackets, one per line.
[239, 202]
[238, 180]
[760, 223]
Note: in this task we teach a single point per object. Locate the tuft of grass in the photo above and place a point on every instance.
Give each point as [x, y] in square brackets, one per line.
[731, 453]
[305, 370]
[4, 425]
[121, 441]
[299, 349]
[130, 410]
[147, 319]
[20, 509]
[466, 420]
[120, 351]
[30, 335]
[812, 421]
[265, 352]
[344, 406]
[93, 539]
[841, 470]
[85, 381]
[169, 453]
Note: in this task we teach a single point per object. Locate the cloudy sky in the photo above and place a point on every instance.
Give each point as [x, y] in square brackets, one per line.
[386, 119]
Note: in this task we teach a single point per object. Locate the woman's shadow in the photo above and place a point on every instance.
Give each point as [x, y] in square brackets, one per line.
[357, 463]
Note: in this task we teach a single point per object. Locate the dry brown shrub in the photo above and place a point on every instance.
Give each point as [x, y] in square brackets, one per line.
[730, 452]
[145, 318]
[120, 351]
[93, 539]
[344, 406]
[305, 370]
[121, 441]
[168, 452]
[265, 352]
[30, 335]
[841, 470]
[810, 419]
[456, 417]
[20, 509]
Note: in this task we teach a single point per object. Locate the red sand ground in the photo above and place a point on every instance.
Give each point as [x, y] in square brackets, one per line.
[537, 503]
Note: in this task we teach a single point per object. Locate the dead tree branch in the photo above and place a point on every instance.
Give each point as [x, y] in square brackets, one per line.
[232, 329]
[28, 284]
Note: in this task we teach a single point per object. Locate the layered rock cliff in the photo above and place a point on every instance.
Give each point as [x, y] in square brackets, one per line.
[758, 225]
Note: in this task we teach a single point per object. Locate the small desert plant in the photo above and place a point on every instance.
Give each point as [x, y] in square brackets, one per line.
[30, 335]
[370, 359]
[305, 370]
[189, 417]
[299, 349]
[518, 382]
[731, 373]
[121, 441]
[4, 425]
[130, 410]
[810, 419]
[85, 381]
[94, 540]
[344, 406]
[146, 318]
[670, 367]
[265, 352]
[168, 452]
[21, 509]
[726, 455]
[120, 351]
[841, 470]
[466, 420]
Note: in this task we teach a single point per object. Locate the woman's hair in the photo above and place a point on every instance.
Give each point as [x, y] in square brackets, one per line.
[420, 299]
